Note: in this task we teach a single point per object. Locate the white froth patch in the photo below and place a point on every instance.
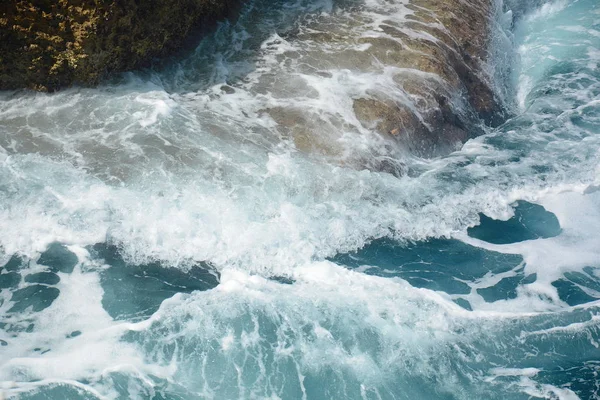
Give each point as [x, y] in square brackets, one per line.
[98, 350]
[524, 88]
[514, 371]
[65, 358]
[280, 164]
[529, 386]
[313, 317]
[227, 342]
[547, 10]
[159, 105]
[577, 247]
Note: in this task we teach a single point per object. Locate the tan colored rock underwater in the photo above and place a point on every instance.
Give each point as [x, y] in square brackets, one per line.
[430, 64]
[444, 65]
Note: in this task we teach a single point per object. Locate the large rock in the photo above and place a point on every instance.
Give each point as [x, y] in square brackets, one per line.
[48, 44]
[417, 72]
[445, 76]
[419, 69]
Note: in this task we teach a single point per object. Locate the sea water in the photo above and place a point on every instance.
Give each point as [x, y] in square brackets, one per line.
[169, 236]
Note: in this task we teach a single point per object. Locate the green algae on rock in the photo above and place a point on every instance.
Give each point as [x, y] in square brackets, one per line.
[49, 44]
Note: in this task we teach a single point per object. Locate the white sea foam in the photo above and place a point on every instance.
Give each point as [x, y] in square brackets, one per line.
[532, 388]
[60, 356]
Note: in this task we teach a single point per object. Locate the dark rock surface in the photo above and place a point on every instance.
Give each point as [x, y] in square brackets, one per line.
[49, 44]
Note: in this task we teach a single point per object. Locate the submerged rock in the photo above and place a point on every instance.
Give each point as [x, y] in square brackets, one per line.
[48, 44]
[442, 50]
[417, 72]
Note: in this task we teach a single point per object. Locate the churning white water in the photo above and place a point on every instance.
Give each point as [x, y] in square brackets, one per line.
[219, 228]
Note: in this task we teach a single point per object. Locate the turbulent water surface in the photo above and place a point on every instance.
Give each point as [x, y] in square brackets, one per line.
[226, 228]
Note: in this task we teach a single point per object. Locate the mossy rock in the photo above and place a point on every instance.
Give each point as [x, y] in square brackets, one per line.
[49, 44]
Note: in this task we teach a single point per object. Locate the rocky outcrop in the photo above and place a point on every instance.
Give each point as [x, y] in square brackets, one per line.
[417, 72]
[442, 50]
[428, 87]
[48, 44]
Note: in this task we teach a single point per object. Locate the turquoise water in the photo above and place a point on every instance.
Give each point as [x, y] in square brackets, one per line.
[164, 236]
